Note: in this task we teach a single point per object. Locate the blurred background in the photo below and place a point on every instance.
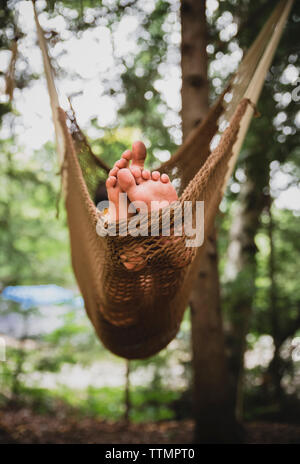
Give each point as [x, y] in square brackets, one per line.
[119, 61]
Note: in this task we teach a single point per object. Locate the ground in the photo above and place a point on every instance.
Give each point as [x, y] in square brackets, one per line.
[24, 426]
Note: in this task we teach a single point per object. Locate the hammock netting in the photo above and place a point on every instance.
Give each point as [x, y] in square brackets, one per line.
[138, 312]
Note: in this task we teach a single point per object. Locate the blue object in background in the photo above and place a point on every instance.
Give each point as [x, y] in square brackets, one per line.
[37, 295]
[53, 303]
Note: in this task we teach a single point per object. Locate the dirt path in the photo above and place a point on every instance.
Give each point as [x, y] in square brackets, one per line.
[23, 426]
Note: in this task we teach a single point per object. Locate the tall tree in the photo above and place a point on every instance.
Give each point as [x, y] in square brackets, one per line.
[212, 405]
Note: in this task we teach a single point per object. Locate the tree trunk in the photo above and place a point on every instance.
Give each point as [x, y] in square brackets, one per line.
[195, 88]
[127, 402]
[213, 408]
[276, 365]
[240, 273]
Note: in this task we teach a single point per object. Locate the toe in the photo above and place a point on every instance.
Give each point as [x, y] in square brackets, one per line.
[155, 175]
[165, 178]
[122, 163]
[127, 155]
[137, 172]
[111, 182]
[138, 154]
[146, 175]
[126, 180]
[113, 171]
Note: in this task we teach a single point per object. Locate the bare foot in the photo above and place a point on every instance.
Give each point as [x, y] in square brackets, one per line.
[137, 157]
[154, 190]
[114, 190]
[141, 185]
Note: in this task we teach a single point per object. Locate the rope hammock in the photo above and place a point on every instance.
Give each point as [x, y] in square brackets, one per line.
[138, 312]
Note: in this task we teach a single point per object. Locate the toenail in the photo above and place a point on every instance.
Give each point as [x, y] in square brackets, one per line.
[155, 175]
[146, 174]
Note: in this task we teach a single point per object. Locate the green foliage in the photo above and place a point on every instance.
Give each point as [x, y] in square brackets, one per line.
[34, 243]
[139, 78]
[146, 404]
[287, 261]
[5, 108]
